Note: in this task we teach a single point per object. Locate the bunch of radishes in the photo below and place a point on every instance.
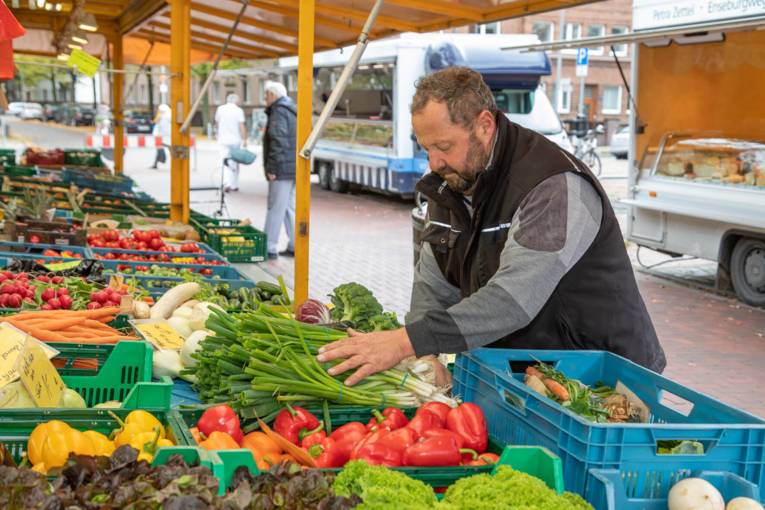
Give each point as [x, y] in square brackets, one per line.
[105, 298]
[56, 299]
[15, 289]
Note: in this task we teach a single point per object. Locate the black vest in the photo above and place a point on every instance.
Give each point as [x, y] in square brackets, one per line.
[596, 305]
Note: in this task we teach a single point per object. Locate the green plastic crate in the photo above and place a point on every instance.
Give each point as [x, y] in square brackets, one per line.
[123, 374]
[536, 461]
[83, 157]
[11, 170]
[16, 425]
[245, 244]
[7, 157]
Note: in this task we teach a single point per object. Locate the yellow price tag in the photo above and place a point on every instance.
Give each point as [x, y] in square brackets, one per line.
[161, 335]
[39, 376]
[86, 63]
[12, 342]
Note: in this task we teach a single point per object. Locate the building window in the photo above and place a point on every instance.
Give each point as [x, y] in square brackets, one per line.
[596, 31]
[573, 31]
[612, 100]
[545, 30]
[489, 28]
[216, 92]
[564, 96]
[621, 49]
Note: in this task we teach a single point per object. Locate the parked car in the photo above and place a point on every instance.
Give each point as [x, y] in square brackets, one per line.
[32, 111]
[138, 122]
[75, 115]
[50, 111]
[620, 143]
[15, 108]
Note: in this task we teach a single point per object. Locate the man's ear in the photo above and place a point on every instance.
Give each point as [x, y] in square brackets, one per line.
[485, 125]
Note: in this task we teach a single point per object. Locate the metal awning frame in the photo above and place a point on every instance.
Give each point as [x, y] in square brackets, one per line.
[658, 35]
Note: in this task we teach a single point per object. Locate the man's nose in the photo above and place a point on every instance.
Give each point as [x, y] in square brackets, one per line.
[436, 164]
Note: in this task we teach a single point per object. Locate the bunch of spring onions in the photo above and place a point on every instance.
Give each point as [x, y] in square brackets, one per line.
[258, 361]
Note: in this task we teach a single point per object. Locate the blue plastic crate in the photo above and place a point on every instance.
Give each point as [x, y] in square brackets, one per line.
[11, 248]
[101, 252]
[611, 489]
[206, 251]
[734, 440]
[152, 283]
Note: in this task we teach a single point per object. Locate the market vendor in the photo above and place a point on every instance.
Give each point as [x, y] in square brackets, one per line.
[521, 248]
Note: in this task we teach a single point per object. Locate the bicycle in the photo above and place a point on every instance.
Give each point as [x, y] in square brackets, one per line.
[584, 149]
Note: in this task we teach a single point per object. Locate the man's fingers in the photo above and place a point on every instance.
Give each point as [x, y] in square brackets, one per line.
[330, 347]
[346, 365]
[352, 332]
[359, 375]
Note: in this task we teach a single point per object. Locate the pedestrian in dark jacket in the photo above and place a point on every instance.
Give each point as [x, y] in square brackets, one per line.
[279, 163]
[521, 248]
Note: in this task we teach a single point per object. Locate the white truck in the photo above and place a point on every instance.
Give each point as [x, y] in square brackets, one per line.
[368, 141]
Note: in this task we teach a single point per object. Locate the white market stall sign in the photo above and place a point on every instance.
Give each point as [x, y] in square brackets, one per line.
[647, 14]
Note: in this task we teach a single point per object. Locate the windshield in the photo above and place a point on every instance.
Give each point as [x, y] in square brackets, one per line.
[529, 108]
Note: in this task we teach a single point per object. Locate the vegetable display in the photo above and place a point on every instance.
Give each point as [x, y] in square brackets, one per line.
[139, 240]
[258, 360]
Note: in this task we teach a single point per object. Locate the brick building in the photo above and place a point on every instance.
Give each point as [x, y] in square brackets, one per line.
[605, 96]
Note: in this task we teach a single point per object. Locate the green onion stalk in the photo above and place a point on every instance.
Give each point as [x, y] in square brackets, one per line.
[258, 361]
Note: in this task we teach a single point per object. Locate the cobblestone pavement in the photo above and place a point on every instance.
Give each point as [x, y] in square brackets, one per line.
[712, 342]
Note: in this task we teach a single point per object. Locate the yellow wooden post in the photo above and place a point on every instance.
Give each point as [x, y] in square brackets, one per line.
[180, 100]
[304, 122]
[118, 81]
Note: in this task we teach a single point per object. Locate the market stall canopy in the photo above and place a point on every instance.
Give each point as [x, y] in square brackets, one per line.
[269, 28]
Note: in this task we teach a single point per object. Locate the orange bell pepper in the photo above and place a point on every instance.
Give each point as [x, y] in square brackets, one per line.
[260, 444]
[196, 434]
[219, 441]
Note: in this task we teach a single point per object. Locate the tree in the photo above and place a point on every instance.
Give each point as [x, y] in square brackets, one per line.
[31, 73]
[203, 70]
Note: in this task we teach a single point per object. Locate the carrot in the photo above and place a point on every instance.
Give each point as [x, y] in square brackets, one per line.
[535, 372]
[557, 389]
[98, 326]
[106, 319]
[47, 336]
[57, 325]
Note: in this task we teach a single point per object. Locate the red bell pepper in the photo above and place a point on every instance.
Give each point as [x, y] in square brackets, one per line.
[346, 437]
[444, 433]
[293, 420]
[468, 421]
[377, 454]
[391, 419]
[324, 453]
[221, 418]
[369, 439]
[424, 420]
[483, 459]
[436, 451]
[313, 438]
[438, 408]
[400, 439]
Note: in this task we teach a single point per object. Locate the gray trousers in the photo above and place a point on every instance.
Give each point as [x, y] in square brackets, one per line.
[281, 210]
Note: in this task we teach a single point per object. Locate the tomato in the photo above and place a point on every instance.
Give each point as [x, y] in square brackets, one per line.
[110, 256]
[34, 239]
[97, 243]
[154, 234]
[156, 244]
[206, 272]
[141, 245]
[50, 253]
[162, 257]
[125, 243]
[111, 235]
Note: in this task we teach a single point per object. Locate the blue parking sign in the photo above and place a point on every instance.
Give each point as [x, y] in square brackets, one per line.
[581, 57]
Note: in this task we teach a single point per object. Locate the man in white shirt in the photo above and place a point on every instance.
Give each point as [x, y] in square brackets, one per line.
[229, 120]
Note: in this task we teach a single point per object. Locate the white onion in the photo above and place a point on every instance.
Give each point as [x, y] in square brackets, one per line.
[743, 504]
[695, 494]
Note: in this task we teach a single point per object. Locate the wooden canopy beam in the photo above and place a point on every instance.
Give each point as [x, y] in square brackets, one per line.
[220, 13]
[243, 35]
[441, 7]
[293, 13]
[361, 15]
[138, 12]
[144, 33]
[215, 39]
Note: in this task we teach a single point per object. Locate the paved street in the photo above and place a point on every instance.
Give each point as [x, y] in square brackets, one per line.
[712, 342]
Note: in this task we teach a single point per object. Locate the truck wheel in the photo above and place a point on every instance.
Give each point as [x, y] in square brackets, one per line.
[747, 268]
[336, 184]
[324, 175]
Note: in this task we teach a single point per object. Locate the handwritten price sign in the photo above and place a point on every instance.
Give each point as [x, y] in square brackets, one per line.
[39, 376]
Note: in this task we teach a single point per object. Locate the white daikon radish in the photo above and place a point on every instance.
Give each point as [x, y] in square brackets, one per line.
[173, 298]
[743, 504]
[181, 325]
[695, 494]
[183, 312]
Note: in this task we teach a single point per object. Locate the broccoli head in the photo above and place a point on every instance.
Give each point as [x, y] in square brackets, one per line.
[384, 322]
[354, 304]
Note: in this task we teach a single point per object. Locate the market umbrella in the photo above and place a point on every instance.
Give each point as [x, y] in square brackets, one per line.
[10, 29]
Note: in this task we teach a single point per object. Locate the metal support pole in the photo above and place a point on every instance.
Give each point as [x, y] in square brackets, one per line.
[342, 82]
[180, 98]
[214, 70]
[118, 62]
[558, 90]
[303, 166]
[581, 96]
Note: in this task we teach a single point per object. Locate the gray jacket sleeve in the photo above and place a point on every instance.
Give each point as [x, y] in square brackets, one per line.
[553, 227]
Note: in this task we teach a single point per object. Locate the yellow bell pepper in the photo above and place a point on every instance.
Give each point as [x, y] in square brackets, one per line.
[143, 421]
[147, 444]
[101, 444]
[39, 435]
[127, 433]
[58, 446]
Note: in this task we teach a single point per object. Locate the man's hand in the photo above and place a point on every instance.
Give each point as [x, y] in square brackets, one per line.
[271, 177]
[369, 352]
